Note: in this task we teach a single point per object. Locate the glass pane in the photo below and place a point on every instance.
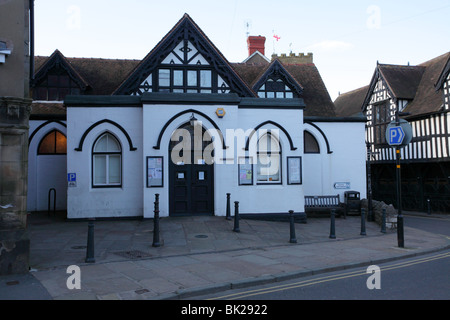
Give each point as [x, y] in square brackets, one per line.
[289, 95]
[270, 95]
[262, 94]
[280, 95]
[101, 145]
[268, 143]
[64, 81]
[310, 143]
[164, 77]
[47, 144]
[268, 167]
[178, 77]
[113, 144]
[61, 143]
[205, 78]
[52, 81]
[52, 94]
[192, 78]
[99, 169]
[114, 169]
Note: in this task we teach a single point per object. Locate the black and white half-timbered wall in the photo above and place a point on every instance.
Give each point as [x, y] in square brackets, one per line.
[420, 94]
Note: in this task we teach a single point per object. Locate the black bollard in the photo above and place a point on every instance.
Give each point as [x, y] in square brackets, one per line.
[156, 223]
[363, 222]
[429, 206]
[90, 242]
[228, 207]
[292, 227]
[236, 217]
[383, 221]
[332, 226]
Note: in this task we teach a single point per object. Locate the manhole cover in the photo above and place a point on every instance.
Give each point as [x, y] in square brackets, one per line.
[201, 236]
[78, 247]
[133, 254]
[141, 291]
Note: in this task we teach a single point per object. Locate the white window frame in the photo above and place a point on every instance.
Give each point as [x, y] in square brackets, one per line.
[268, 153]
[108, 154]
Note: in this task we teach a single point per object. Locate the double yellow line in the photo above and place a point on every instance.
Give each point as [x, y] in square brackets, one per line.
[305, 283]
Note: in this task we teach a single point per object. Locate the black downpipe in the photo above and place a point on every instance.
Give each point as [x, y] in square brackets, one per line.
[31, 42]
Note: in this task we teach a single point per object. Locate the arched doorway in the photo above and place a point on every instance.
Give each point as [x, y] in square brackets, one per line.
[191, 171]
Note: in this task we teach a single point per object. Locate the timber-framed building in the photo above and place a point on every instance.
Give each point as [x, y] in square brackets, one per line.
[420, 95]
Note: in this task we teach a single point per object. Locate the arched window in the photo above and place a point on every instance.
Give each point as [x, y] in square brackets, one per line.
[269, 160]
[310, 143]
[107, 162]
[53, 143]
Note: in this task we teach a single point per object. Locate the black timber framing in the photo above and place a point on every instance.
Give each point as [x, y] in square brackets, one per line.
[185, 30]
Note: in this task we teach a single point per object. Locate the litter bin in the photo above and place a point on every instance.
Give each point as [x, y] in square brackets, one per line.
[352, 202]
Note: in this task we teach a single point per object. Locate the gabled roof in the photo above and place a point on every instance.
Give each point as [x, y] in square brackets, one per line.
[420, 85]
[276, 68]
[444, 74]
[315, 94]
[429, 98]
[185, 29]
[402, 81]
[57, 59]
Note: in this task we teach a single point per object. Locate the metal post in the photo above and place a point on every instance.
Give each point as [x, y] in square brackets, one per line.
[363, 222]
[400, 233]
[292, 227]
[228, 207]
[369, 184]
[90, 242]
[332, 226]
[236, 217]
[429, 206]
[383, 221]
[156, 223]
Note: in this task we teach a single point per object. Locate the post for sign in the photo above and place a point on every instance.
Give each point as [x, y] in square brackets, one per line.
[400, 234]
[398, 135]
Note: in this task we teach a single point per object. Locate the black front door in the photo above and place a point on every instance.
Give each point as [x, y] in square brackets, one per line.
[191, 183]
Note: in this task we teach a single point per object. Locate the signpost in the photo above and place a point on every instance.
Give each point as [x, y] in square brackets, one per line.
[398, 135]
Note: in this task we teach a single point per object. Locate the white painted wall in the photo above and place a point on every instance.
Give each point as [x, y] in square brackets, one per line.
[85, 201]
[346, 163]
[319, 172]
[252, 199]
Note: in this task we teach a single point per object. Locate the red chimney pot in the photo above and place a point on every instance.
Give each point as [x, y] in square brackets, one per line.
[256, 43]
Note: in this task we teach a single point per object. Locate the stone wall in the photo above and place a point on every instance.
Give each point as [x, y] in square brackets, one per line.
[377, 207]
[14, 240]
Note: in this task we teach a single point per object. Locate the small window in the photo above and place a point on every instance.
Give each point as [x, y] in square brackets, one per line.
[269, 160]
[53, 143]
[107, 162]
[310, 143]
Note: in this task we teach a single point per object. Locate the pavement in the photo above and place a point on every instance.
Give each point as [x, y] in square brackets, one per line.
[197, 255]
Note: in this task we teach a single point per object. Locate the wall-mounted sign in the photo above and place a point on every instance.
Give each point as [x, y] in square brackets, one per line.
[245, 171]
[294, 165]
[220, 112]
[154, 172]
[72, 180]
[342, 185]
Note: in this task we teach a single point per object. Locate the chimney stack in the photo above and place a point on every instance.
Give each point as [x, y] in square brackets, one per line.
[256, 43]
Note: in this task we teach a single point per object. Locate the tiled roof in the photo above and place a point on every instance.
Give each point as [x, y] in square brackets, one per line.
[350, 103]
[105, 75]
[417, 84]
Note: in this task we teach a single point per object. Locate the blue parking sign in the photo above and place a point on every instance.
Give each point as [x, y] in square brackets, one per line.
[71, 177]
[396, 136]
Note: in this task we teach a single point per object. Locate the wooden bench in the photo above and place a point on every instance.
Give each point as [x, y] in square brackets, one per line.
[323, 203]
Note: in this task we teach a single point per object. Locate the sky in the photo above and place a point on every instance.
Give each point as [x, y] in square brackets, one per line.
[346, 37]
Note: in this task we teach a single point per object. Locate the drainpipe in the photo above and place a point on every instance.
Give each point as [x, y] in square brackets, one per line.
[31, 4]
